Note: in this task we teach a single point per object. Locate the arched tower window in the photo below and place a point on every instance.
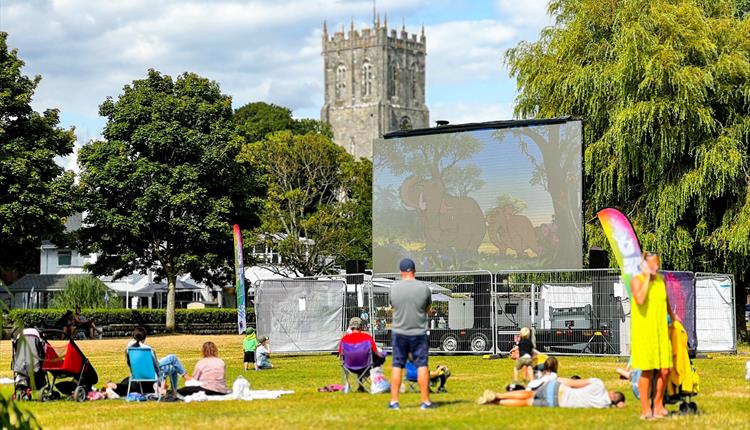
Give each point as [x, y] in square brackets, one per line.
[405, 123]
[367, 78]
[340, 81]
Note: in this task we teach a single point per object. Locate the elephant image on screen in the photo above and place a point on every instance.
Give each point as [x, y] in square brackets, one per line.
[490, 196]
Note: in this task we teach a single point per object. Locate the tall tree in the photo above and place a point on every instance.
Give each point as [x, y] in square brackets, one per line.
[35, 192]
[664, 89]
[257, 119]
[162, 189]
[316, 211]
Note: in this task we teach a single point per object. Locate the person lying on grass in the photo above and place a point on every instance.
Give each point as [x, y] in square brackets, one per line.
[559, 392]
[210, 372]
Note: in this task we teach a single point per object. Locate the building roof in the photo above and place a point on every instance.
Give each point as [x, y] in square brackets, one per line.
[39, 283]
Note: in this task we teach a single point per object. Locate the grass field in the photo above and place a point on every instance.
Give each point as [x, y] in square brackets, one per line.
[724, 398]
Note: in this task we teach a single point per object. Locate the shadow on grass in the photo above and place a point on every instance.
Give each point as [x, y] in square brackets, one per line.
[443, 403]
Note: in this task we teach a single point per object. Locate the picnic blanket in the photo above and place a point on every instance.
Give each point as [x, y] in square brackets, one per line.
[246, 395]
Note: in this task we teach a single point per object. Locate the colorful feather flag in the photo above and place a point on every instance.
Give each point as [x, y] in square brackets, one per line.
[239, 283]
[624, 243]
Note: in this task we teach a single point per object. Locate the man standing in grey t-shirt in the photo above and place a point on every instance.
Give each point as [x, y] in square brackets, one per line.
[411, 300]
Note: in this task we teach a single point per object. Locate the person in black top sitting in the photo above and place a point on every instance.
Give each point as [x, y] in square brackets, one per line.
[524, 351]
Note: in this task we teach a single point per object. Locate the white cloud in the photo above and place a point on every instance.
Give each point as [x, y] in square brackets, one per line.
[257, 50]
[526, 13]
[466, 51]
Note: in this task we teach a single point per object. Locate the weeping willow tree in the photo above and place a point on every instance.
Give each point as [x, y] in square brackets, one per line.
[663, 87]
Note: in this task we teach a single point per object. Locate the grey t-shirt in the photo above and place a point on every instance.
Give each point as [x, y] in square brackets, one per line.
[594, 395]
[410, 299]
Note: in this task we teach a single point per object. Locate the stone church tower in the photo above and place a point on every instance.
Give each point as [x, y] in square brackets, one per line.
[374, 84]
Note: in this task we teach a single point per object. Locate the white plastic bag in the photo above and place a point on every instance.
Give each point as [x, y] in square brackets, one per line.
[378, 382]
[241, 388]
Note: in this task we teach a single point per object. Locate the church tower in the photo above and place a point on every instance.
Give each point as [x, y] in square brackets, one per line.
[374, 84]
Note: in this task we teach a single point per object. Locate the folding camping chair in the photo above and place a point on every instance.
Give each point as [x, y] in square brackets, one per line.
[356, 360]
[143, 368]
[411, 377]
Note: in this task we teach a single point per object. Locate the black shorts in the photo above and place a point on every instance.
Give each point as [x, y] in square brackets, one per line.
[249, 357]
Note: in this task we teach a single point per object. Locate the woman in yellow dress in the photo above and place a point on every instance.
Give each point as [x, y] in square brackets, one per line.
[650, 348]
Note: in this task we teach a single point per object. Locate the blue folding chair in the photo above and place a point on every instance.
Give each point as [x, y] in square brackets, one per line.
[411, 376]
[143, 368]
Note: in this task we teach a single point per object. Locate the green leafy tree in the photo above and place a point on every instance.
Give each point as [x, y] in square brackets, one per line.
[357, 210]
[256, 120]
[162, 189]
[85, 292]
[316, 211]
[35, 193]
[663, 87]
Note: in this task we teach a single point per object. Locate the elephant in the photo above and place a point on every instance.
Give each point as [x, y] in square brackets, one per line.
[511, 233]
[448, 222]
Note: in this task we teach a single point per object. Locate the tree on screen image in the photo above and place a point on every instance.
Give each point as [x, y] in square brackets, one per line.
[437, 182]
[558, 172]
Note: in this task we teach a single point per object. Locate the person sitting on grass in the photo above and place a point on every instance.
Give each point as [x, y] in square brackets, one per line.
[81, 322]
[210, 374]
[249, 345]
[262, 353]
[169, 366]
[549, 372]
[524, 362]
[439, 377]
[559, 392]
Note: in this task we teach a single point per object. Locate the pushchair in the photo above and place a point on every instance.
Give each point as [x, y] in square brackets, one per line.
[71, 372]
[683, 381]
[26, 363]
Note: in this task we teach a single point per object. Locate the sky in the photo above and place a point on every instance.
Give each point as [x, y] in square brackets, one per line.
[263, 50]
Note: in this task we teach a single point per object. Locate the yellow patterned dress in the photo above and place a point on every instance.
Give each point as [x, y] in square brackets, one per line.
[649, 334]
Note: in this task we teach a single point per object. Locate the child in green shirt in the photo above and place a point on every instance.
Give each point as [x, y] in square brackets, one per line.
[249, 344]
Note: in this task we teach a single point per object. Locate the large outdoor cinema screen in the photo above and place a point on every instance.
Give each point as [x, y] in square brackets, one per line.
[490, 196]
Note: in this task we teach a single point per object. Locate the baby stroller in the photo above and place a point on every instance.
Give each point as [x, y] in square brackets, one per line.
[72, 373]
[26, 363]
[683, 380]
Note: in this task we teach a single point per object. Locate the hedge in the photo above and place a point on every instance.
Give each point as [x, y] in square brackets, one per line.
[104, 317]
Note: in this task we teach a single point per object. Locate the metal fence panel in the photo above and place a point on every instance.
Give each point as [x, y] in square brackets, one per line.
[716, 319]
[300, 315]
[462, 312]
[570, 312]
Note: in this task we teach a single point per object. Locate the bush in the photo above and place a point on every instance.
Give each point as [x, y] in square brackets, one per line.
[14, 418]
[103, 317]
[85, 292]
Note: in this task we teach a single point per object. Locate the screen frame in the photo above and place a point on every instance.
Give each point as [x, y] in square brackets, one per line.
[501, 124]
[472, 126]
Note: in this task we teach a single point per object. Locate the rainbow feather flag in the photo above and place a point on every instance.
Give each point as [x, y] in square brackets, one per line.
[239, 283]
[624, 243]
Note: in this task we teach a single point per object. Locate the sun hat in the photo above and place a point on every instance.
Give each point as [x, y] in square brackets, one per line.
[355, 322]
